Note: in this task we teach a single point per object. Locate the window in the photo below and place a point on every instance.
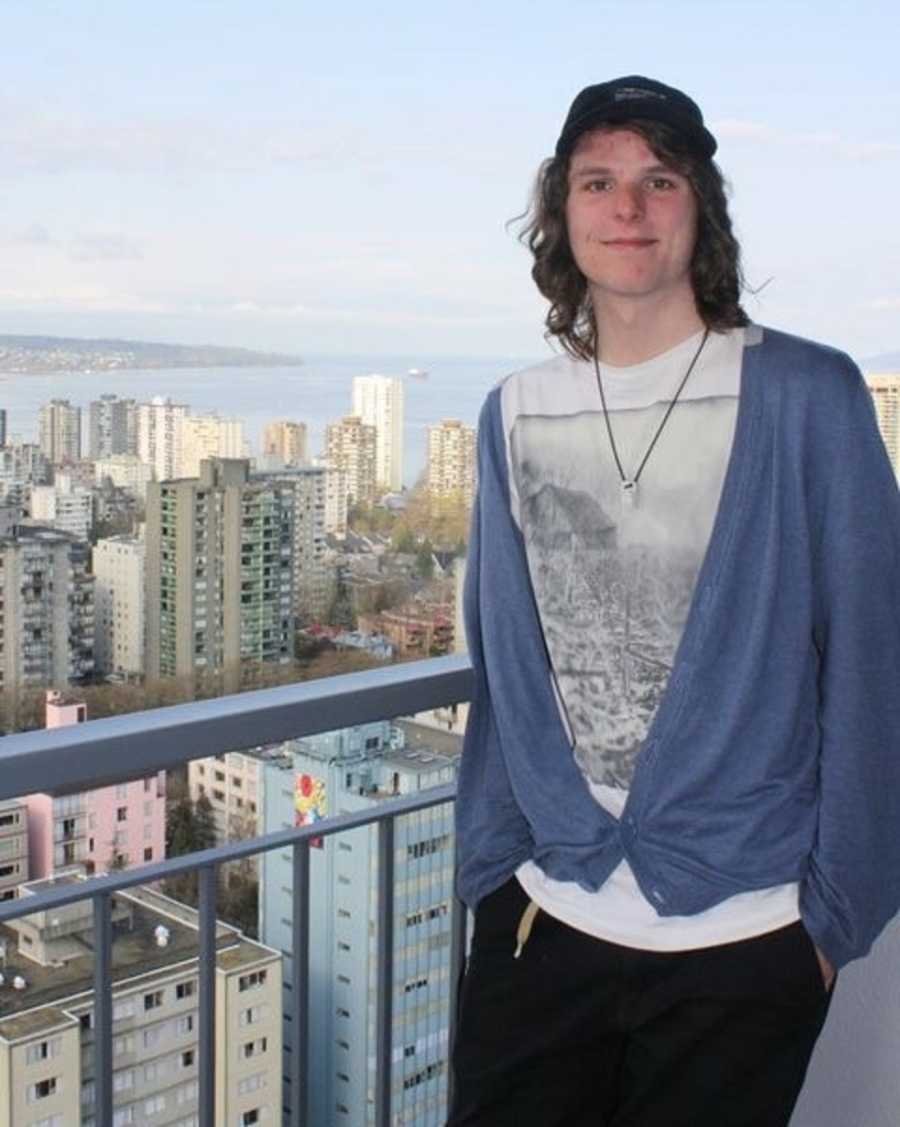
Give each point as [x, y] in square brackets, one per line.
[148, 784]
[42, 1089]
[43, 1050]
[153, 1001]
[151, 1071]
[49, 1121]
[186, 1092]
[151, 1037]
[122, 1009]
[187, 1058]
[122, 814]
[185, 1024]
[122, 1116]
[255, 1048]
[251, 1015]
[186, 989]
[86, 1021]
[250, 1117]
[123, 1080]
[122, 791]
[154, 1104]
[148, 853]
[251, 1083]
[253, 980]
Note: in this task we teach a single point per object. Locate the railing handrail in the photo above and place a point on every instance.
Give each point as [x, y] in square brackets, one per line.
[120, 880]
[117, 748]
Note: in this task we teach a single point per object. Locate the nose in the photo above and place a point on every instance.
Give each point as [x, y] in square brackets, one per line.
[629, 202]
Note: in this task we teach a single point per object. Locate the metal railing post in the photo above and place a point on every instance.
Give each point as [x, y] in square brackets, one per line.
[300, 989]
[206, 998]
[385, 973]
[103, 1070]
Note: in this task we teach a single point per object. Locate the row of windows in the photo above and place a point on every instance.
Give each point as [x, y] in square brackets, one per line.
[424, 914]
[427, 847]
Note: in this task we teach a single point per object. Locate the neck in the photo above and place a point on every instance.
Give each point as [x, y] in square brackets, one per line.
[629, 332]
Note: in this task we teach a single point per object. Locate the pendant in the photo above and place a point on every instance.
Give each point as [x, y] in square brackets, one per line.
[629, 494]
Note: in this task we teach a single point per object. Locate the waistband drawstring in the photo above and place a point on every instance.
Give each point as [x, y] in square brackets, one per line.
[524, 929]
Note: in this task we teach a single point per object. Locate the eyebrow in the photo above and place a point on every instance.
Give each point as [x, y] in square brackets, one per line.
[602, 170]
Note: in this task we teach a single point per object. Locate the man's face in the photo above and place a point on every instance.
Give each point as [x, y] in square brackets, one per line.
[632, 222]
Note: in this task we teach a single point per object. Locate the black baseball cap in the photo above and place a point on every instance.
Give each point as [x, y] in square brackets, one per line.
[625, 99]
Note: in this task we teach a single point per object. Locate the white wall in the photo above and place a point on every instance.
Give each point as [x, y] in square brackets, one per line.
[854, 1076]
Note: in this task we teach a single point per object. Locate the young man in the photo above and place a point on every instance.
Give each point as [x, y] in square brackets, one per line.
[679, 800]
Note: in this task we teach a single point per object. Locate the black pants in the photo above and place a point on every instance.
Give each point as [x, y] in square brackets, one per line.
[577, 1032]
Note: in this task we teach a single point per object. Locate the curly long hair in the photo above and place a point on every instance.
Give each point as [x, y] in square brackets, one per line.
[715, 266]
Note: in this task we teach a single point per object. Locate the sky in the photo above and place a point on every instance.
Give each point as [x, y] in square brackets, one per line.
[339, 178]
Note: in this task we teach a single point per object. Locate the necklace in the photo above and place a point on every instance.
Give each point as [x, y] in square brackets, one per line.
[630, 484]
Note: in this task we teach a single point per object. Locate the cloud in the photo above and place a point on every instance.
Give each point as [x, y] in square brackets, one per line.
[104, 247]
[885, 305]
[36, 235]
[827, 141]
[79, 299]
[40, 140]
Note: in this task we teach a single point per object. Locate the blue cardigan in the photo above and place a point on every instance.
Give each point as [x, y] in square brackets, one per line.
[783, 704]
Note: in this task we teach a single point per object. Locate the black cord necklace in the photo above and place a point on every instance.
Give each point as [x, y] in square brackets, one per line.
[629, 484]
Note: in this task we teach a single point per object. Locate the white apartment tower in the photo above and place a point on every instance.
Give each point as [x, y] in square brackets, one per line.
[350, 447]
[47, 611]
[69, 509]
[60, 431]
[885, 391]
[208, 436]
[118, 565]
[159, 436]
[378, 401]
[451, 460]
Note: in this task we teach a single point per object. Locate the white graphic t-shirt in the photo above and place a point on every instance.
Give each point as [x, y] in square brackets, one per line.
[614, 575]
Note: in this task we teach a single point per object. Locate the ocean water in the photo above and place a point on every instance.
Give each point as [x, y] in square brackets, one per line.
[317, 392]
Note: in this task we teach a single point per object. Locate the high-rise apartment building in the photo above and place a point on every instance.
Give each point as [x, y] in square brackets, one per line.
[347, 771]
[311, 587]
[60, 431]
[22, 464]
[219, 574]
[285, 442]
[126, 471]
[69, 509]
[886, 394]
[112, 423]
[118, 566]
[208, 436]
[13, 847]
[378, 401]
[47, 612]
[350, 448]
[159, 436]
[451, 460]
[2, 426]
[47, 1029]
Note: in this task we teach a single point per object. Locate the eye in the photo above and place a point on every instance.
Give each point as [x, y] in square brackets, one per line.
[662, 184]
[598, 184]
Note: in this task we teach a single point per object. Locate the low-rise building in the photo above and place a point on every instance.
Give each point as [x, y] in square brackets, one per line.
[47, 1008]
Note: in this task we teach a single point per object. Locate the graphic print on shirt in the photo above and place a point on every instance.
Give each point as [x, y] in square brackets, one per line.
[614, 584]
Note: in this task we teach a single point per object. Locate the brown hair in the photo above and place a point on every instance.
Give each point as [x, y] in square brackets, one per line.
[715, 266]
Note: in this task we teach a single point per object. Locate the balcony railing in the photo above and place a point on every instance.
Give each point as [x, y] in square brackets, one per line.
[84, 756]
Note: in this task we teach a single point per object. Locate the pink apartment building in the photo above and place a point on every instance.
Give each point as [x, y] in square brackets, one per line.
[100, 829]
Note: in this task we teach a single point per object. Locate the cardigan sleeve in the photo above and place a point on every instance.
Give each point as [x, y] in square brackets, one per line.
[852, 886]
[521, 793]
